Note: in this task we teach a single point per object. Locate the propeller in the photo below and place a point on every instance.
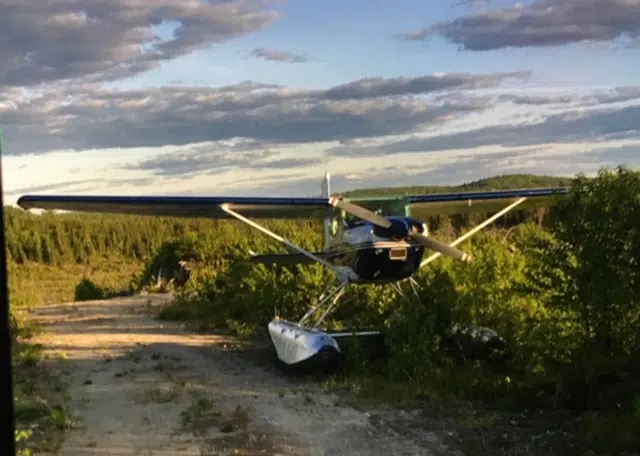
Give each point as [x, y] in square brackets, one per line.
[438, 246]
[399, 229]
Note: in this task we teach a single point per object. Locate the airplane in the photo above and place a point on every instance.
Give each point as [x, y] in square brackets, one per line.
[361, 245]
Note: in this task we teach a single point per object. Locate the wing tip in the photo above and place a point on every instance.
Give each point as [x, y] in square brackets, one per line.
[23, 202]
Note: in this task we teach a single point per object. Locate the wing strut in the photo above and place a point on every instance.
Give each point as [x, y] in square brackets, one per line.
[476, 229]
[273, 235]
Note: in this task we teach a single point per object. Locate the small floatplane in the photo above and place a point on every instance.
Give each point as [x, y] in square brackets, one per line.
[361, 245]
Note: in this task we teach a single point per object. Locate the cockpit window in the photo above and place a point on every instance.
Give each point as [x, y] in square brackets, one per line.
[352, 222]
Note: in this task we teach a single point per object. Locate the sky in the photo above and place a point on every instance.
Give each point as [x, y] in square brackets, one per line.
[261, 97]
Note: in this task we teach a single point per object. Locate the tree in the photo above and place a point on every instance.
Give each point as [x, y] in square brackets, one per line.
[599, 223]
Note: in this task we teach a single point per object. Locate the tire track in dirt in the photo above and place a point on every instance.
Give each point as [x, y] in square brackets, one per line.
[140, 386]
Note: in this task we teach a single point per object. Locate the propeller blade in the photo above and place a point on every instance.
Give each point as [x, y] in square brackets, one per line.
[369, 216]
[360, 212]
[438, 246]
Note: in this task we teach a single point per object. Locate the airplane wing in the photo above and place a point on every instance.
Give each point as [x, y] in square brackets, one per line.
[284, 207]
[483, 201]
[461, 202]
[182, 206]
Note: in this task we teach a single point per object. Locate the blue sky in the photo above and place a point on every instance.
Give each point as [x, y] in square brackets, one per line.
[381, 93]
[347, 41]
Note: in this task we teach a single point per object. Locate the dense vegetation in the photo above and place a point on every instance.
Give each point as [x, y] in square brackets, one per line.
[563, 292]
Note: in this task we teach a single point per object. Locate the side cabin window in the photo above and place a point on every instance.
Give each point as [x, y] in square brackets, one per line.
[350, 222]
[345, 222]
[340, 224]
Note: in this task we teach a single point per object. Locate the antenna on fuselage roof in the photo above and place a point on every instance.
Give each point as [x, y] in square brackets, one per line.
[326, 190]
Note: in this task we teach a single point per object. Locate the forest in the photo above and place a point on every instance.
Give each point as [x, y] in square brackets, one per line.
[562, 288]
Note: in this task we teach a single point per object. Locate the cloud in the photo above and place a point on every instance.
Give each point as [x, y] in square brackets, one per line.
[541, 23]
[615, 95]
[618, 155]
[376, 87]
[549, 160]
[193, 161]
[219, 157]
[455, 169]
[79, 185]
[476, 3]
[96, 118]
[48, 41]
[568, 127]
[278, 56]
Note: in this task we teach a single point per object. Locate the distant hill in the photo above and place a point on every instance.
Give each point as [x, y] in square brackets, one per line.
[502, 182]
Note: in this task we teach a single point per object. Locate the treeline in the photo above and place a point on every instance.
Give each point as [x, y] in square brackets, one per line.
[62, 238]
[503, 182]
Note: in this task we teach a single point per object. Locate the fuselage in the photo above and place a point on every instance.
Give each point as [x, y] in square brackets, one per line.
[372, 256]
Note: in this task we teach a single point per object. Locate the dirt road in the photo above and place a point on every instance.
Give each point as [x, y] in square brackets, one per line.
[140, 386]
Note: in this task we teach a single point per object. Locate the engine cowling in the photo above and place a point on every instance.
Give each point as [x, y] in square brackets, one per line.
[400, 228]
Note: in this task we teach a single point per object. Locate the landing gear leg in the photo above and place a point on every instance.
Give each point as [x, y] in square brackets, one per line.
[414, 287]
[323, 300]
[297, 343]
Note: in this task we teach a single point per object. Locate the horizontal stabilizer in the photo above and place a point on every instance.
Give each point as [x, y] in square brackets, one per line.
[287, 258]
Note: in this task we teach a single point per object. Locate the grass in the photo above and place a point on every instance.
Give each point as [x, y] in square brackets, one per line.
[239, 420]
[40, 398]
[162, 394]
[33, 284]
[203, 414]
